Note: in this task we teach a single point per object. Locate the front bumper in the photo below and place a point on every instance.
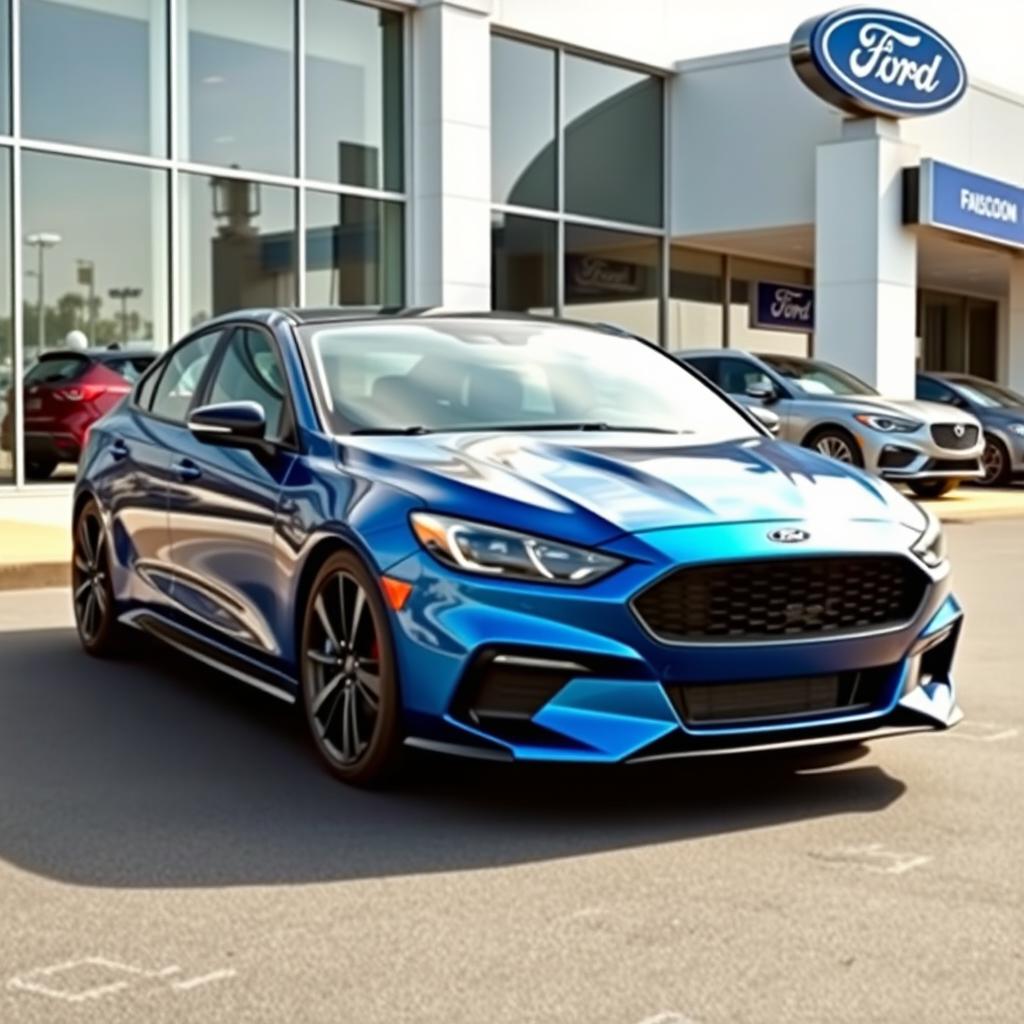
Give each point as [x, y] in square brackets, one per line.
[543, 673]
[916, 456]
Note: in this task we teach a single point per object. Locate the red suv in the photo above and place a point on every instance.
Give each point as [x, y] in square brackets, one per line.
[64, 394]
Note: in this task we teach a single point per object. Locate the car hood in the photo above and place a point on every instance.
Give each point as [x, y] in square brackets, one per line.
[591, 488]
[909, 408]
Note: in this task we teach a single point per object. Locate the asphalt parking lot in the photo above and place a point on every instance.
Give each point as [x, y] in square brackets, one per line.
[169, 851]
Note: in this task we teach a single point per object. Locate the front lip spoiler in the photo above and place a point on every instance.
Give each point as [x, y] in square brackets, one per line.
[792, 744]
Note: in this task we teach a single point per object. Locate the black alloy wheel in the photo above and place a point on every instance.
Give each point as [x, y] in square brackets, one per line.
[91, 587]
[349, 684]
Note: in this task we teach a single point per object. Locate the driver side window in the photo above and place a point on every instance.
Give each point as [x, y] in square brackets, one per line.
[737, 375]
[249, 371]
[180, 379]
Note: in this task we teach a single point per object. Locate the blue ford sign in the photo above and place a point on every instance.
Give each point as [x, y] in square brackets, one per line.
[870, 61]
[970, 204]
[782, 307]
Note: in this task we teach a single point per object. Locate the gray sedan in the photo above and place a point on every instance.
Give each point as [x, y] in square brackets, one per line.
[928, 446]
[1000, 410]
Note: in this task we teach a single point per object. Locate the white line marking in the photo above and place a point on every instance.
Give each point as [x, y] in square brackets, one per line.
[875, 857]
[203, 979]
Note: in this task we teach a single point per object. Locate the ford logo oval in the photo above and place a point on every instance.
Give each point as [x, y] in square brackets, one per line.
[870, 61]
[789, 535]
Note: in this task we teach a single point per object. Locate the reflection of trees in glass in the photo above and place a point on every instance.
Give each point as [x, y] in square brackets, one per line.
[69, 312]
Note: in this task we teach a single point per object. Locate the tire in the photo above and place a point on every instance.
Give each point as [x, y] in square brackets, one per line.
[933, 488]
[995, 460]
[40, 469]
[836, 443]
[92, 594]
[353, 715]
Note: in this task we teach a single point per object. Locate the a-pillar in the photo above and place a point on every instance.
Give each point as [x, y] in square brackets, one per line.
[865, 258]
[451, 186]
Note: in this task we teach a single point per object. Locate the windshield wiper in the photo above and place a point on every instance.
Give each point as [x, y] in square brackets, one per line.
[393, 431]
[582, 425]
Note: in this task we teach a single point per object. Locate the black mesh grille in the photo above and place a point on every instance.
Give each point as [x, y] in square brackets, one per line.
[896, 458]
[774, 699]
[782, 597]
[946, 435]
[952, 465]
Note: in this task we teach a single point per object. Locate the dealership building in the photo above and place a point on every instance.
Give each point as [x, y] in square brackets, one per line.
[162, 161]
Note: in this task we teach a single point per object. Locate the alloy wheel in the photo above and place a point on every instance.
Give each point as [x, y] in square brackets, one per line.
[344, 668]
[89, 577]
[835, 447]
[993, 462]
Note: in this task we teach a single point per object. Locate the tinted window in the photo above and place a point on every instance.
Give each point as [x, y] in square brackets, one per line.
[492, 374]
[523, 124]
[933, 391]
[708, 366]
[129, 367]
[55, 369]
[523, 264]
[613, 142]
[736, 375]
[250, 372]
[181, 377]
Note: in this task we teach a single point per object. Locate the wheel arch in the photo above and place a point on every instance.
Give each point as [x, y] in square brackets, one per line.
[824, 426]
[318, 554]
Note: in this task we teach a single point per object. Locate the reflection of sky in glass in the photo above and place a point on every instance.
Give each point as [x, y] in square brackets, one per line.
[255, 257]
[111, 214]
[522, 123]
[86, 75]
[240, 81]
[353, 58]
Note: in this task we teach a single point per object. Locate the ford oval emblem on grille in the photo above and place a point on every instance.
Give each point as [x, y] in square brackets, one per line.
[789, 535]
[959, 430]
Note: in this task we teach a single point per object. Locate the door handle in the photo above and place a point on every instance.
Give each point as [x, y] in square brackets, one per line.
[187, 470]
[119, 450]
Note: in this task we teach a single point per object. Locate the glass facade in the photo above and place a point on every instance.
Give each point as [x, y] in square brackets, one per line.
[170, 152]
[578, 220]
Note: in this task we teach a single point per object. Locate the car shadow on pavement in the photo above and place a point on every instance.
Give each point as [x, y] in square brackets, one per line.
[158, 772]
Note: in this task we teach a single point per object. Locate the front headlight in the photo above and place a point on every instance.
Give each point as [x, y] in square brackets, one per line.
[930, 547]
[1017, 428]
[887, 424]
[493, 551]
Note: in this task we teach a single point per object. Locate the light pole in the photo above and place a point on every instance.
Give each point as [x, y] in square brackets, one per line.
[124, 294]
[42, 240]
[87, 276]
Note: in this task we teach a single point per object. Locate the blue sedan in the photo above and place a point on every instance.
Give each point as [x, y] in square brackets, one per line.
[513, 538]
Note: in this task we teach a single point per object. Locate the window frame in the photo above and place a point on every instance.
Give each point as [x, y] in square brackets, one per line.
[158, 369]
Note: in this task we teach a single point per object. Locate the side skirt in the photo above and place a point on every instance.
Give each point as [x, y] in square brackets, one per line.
[195, 646]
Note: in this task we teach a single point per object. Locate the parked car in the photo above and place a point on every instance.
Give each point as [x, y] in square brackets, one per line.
[65, 392]
[929, 447]
[1000, 411]
[511, 538]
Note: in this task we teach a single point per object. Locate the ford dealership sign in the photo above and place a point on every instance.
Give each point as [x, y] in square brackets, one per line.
[869, 61]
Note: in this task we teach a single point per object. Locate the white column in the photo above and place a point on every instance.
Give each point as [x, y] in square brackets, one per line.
[1011, 355]
[451, 145]
[866, 259]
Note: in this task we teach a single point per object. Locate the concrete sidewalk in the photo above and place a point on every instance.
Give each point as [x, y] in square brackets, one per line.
[35, 542]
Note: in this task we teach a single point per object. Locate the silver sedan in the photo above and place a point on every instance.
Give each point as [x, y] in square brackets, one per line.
[930, 447]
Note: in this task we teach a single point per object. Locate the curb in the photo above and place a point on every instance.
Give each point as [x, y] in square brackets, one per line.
[35, 575]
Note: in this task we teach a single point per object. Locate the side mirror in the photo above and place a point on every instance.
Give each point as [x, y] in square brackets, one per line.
[762, 390]
[230, 424]
[768, 419]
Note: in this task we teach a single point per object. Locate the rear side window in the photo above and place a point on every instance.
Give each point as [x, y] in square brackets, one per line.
[181, 376]
[56, 369]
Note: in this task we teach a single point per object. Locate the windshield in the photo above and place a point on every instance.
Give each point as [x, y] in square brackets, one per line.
[988, 395]
[453, 374]
[814, 378]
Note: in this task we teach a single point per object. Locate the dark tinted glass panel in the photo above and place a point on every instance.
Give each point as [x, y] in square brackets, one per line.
[354, 251]
[523, 264]
[696, 311]
[239, 102]
[933, 391]
[353, 94]
[95, 243]
[6, 333]
[182, 376]
[613, 142]
[54, 369]
[93, 73]
[250, 372]
[5, 70]
[523, 124]
[239, 247]
[614, 277]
